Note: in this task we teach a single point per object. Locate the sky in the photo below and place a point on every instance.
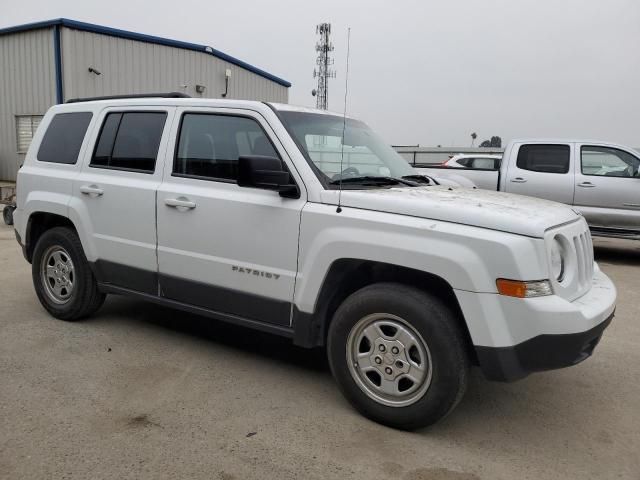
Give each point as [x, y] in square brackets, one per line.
[421, 72]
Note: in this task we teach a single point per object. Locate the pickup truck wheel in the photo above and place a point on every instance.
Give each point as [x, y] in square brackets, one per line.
[398, 355]
[62, 278]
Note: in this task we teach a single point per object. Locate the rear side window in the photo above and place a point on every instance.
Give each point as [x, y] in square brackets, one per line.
[544, 158]
[62, 141]
[129, 141]
[209, 145]
[485, 163]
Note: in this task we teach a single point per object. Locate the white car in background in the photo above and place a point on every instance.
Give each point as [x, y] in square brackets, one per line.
[476, 161]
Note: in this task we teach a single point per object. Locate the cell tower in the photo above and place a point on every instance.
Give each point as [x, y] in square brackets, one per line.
[324, 61]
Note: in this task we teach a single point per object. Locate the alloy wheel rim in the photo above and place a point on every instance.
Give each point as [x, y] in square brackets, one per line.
[57, 273]
[389, 360]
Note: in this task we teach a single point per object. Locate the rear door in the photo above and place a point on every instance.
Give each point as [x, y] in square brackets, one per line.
[541, 170]
[115, 194]
[608, 187]
[222, 247]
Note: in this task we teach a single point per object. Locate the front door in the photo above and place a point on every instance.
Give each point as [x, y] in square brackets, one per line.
[223, 247]
[542, 170]
[608, 187]
[115, 193]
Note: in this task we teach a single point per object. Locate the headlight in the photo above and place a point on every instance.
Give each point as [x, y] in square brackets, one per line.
[557, 260]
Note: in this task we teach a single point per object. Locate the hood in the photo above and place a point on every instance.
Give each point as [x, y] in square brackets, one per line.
[506, 212]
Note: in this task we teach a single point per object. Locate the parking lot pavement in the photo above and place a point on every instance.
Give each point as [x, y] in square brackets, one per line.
[141, 391]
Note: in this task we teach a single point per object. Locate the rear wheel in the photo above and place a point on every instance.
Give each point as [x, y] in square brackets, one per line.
[398, 355]
[62, 278]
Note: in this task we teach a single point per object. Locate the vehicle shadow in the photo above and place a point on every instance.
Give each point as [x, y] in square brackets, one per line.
[270, 346]
[548, 398]
[616, 251]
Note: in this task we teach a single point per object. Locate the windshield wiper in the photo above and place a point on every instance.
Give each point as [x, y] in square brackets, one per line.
[424, 179]
[373, 180]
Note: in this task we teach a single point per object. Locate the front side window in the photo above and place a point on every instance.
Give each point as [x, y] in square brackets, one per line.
[129, 141]
[209, 145]
[544, 158]
[64, 136]
[362, 154]
[608, 162]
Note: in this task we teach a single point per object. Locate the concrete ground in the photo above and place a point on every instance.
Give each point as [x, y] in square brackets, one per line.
[141, 391]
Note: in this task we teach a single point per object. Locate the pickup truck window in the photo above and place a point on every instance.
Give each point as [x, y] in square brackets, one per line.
[129, 141]
[209, 145]
[64, 136]
[319, 136]
[544, 158]
[608, 162]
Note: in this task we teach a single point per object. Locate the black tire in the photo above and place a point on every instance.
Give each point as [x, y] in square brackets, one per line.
[7, 214]
[85, 298]
[434, 322]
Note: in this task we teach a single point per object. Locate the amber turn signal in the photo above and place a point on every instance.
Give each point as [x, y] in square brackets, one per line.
[520, 289]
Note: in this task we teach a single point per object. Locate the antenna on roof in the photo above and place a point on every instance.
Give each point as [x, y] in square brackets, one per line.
[344, 120]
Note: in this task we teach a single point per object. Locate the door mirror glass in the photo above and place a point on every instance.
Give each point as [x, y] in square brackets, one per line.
[266, 173]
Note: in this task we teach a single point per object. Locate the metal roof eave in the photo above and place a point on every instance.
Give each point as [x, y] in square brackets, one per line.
[141, 37]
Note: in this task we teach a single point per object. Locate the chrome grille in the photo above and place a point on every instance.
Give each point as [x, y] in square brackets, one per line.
[576, 239]
[584, 253]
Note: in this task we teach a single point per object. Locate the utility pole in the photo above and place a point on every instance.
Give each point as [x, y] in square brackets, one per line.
[323, 73]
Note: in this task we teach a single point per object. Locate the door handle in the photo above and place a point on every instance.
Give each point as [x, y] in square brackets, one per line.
[586, 185]
[518, 180]
[91, 190]
[179, 202]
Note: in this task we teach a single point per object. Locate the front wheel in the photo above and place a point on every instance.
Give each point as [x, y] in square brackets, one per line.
[398, 355]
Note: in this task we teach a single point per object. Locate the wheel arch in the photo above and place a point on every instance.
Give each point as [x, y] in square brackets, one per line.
[348, 275]
[37, 224]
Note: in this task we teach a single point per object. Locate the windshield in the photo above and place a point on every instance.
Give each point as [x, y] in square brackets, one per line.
[366, 156]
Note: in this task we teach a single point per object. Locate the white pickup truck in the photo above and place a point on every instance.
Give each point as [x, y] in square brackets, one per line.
[601, 180]
[247, 212]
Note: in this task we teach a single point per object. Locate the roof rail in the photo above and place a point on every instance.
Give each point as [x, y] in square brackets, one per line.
[136, 95]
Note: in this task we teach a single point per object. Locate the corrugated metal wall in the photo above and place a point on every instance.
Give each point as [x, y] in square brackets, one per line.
[129, 66]
[27, 87]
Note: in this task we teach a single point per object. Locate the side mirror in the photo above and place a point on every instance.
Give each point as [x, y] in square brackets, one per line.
[266, 173]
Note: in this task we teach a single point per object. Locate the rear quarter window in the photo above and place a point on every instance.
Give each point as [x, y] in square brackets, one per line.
[64, 136]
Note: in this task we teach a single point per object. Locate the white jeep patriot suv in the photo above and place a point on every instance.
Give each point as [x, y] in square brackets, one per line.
[302, 223]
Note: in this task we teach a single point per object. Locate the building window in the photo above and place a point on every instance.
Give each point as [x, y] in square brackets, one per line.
[26, 126]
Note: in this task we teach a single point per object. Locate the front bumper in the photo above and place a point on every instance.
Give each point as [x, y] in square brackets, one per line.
[544, 352]
[514, 337]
